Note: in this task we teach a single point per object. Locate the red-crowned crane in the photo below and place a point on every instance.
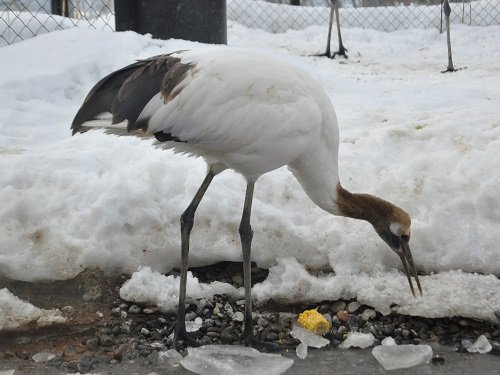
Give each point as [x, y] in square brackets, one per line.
[342, 51]
[248, 112]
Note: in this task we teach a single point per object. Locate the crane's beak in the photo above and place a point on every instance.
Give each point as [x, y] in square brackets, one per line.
[409, 266]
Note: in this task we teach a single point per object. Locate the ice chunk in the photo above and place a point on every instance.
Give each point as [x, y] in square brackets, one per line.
[388, 341]
[308, 338]
[393, 357]
[301, 350]
[231, 359]
[171, 357]
[482, 345]
[358, 339]
[194, 325]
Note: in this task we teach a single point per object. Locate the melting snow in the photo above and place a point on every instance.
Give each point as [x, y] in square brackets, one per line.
[358, 340]
[15, 313]
[481, 345]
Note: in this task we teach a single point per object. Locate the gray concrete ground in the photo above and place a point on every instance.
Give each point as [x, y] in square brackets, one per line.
[318, 362]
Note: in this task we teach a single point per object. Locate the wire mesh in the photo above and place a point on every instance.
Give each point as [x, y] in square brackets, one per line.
[23, 19]
[385, 15]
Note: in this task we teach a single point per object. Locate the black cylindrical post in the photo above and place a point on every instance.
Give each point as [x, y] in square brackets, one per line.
[125, 15]
[198, 20]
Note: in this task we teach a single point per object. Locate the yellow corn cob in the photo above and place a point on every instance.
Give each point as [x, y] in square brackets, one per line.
[312, 320]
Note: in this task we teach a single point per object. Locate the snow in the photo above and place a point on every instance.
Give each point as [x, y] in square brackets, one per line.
[393, 357]
[15, 313]
[357, 340]
[427, 141]
[233, 359]
[152, 288]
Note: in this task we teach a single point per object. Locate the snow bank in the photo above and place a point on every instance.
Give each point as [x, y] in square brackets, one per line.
[153, 288]
[425, 140]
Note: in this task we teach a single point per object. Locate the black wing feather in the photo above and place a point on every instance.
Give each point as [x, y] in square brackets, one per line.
[139, 88]
[100, 97]
[125, 92]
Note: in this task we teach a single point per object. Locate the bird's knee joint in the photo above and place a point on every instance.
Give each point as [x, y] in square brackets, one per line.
[187, 219]
[246, 232]
[447, 8]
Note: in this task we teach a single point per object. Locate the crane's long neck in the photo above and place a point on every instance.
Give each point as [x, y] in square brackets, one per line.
[361, 206]
[321, 183]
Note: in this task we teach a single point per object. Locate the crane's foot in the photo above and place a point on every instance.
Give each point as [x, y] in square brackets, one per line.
[182, 335]
[248, 339]
[340, 52]
[451, 70]
[324, 54]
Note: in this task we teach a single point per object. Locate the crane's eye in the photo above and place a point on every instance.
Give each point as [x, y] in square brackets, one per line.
[405, 237]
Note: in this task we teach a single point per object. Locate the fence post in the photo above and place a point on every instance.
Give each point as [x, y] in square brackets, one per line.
[59, 7]
[201, 21]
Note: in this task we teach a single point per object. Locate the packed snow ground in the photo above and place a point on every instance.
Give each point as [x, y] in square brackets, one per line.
[427, 141]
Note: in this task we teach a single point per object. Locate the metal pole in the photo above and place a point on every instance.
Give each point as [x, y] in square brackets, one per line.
[441, 22]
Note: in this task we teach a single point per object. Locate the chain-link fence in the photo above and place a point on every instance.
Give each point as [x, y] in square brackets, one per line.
[23, 19]
[386, 15]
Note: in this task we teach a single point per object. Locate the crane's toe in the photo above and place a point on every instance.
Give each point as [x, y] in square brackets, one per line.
[182, 335]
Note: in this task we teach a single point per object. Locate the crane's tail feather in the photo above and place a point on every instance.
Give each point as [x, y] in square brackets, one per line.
[124, 93]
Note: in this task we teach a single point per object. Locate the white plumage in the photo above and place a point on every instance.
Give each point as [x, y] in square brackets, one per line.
[249, 112]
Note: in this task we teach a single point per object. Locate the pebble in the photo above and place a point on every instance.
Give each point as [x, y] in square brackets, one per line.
[337, 306]
[353, 306]
[191, 316]
[238, 316]
[144, 331]
[43, 356]
[343, 315]
[323, 309]
[105, 340]
[150, 310]
[116, 311]
[262, 322]
[368, 314]
[134, 309]
[388, 329]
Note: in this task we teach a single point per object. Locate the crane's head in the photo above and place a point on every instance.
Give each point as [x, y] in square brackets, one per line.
[394, 229]
[390, 222]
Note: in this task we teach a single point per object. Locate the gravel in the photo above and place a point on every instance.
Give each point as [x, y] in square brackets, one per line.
[130, 332]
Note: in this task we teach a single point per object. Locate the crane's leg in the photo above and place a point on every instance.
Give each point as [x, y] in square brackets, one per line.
[327, 51]
[246, 235]
[342, 50]
[187, 219]
[447, 12]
